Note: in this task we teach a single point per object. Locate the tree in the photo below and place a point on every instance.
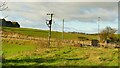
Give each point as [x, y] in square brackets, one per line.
[3, 6]
[107, 34]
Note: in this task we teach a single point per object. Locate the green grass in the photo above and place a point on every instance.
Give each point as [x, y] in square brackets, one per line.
[67, 56]
[119, 36]
[30, 53]
[44, 33]
[10, 50]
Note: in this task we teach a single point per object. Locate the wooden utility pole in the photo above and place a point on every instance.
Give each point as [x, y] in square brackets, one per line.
[98, 28]
[63, 30]
[49, 25]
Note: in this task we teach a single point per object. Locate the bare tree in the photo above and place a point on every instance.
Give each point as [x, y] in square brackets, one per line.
[3, 6]
[107, 33]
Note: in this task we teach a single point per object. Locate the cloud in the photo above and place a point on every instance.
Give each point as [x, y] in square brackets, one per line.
[84, 12]
[61, 0]
[34, 13]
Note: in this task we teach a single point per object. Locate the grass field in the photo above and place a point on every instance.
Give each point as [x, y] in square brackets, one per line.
[28, 53]
[20, 55]
[44, 33]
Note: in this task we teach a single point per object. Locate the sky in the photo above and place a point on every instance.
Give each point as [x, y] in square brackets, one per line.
[61, 0]
[79, 16]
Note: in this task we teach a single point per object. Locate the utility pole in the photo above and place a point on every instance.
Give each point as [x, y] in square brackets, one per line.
[98, 28]
[63, 30]
[49, 23]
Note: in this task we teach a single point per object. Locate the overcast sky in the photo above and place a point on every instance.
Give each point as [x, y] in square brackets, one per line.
[78, 16]
[61, 0]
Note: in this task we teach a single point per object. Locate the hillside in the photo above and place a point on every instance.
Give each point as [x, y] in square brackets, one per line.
[44, 33]
[28, 47]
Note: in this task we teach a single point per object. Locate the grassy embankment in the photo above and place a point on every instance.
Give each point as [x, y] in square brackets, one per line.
[29, 54]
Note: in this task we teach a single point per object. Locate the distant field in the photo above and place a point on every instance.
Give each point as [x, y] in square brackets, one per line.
[44, 33]
[119, 35]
